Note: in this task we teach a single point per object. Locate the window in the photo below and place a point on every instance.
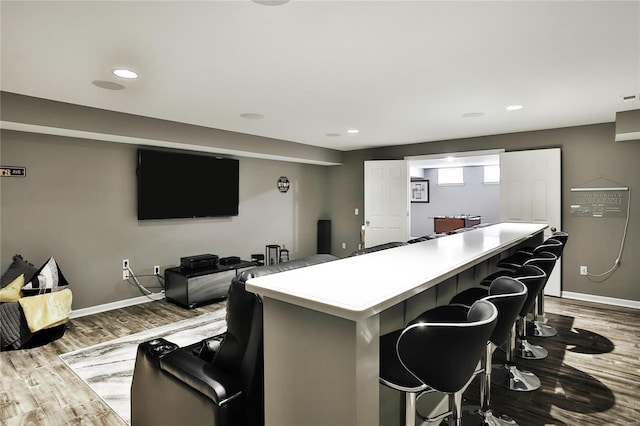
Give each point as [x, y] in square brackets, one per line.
[491, 174]
[451, 176]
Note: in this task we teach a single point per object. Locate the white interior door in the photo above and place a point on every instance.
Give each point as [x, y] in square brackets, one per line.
[386, 202]
[530, 188]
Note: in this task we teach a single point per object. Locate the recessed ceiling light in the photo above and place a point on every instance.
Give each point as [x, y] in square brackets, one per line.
[252, 116]
[109, 85]
[125, 73]
[333, 135]
[353, 131]
[472, 114]
[271, 2]
[513, 107]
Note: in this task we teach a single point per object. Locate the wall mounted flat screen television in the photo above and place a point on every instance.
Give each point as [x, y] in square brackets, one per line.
[175, 184]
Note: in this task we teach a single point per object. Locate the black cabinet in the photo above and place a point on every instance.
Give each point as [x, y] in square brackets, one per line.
[191, 287]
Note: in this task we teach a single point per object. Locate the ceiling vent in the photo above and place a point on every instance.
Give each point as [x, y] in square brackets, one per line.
[628, 99]
[628, 126]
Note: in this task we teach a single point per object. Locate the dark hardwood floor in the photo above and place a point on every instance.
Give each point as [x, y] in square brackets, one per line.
[592, 373]
[591, 376]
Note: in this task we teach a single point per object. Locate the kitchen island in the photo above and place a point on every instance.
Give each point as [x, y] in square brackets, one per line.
[322, 323]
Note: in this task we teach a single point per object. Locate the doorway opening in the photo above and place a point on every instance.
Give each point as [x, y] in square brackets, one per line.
[471, 196]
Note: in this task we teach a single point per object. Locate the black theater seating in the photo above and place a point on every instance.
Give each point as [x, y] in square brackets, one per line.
[218, 381]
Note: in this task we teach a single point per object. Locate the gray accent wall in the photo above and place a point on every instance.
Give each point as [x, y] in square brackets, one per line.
[590, 156]
[78, 200]
[78, 204]
[473, 198]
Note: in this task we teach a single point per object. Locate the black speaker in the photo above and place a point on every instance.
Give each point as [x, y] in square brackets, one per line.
[324, 236]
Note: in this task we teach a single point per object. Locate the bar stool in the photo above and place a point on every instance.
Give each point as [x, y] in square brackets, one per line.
[518, 258]
[535, 327]
[546, 261]
[410, 364]
[563, 237]
[508, 295]
[554, 244]
[538, 326]
[524, 349]
[508, 375]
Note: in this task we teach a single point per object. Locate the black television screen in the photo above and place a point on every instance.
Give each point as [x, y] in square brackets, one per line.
[175, 184]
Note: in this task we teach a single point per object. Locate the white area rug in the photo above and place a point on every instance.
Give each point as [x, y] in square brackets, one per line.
[107, 368]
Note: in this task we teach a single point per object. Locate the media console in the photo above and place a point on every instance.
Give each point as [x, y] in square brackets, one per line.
[191, 287]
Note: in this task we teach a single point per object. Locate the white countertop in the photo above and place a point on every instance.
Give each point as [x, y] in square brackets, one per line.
[361, 286]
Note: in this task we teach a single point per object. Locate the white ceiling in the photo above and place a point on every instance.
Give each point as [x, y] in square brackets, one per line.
[400, 72]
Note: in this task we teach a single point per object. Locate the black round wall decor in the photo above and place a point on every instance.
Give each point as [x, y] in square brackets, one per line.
[283, 184]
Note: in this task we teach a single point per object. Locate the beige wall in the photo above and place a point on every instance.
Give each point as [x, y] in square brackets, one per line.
[78, 204]
[588, 154]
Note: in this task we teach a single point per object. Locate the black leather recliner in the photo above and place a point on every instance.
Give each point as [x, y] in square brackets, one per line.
[218, 381]
[379, 247]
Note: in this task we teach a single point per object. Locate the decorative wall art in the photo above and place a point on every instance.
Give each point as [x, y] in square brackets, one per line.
[283, 184]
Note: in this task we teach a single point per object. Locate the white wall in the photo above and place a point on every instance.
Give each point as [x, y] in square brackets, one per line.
[474, 198]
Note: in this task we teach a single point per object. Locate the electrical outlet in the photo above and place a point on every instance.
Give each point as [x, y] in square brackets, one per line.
[125, 269]
[344, 246]
[583, 270]
[156, 270]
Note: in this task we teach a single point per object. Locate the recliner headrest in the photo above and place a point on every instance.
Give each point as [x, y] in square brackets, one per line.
[260, 271]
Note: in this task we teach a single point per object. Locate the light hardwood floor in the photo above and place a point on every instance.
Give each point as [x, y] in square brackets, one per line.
[38, 389]
[591, 376]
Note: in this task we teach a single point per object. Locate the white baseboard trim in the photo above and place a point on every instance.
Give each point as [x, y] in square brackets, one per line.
[76, 313]
[602, 299]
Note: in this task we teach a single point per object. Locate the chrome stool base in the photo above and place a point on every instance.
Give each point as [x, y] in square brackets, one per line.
[526, 350]
[510, 377]
[541, 318]
[472, 416]
[538, 329]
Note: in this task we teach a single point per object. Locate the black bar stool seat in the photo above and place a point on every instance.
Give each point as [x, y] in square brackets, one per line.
[508, 375]
[508, 295]
[440, 350]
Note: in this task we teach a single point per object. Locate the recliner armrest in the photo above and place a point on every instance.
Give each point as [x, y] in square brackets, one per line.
[201, 376]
